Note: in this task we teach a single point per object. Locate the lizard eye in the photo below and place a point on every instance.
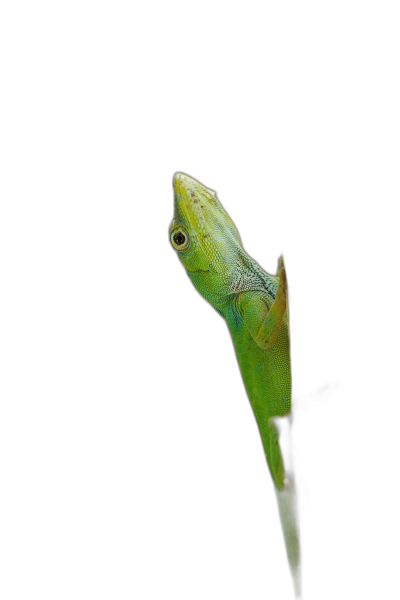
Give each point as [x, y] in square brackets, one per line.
[179, 239]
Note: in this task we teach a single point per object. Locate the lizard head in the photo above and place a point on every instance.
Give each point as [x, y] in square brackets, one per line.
[205, 238]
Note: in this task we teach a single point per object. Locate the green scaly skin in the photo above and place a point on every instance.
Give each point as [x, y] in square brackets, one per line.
[254, 305]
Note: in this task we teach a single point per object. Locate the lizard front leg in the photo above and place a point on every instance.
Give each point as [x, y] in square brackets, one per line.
[264, 322]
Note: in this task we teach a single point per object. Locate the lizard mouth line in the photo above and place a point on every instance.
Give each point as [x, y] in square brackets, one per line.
[198, 270]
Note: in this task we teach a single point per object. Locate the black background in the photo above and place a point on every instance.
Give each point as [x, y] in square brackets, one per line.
[169, 484]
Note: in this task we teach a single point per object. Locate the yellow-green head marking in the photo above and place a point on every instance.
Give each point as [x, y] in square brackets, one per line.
[206, 228]
[205, 238]
[209, 246]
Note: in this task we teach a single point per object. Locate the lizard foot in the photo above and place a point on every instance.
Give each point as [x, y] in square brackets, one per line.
[282, 275]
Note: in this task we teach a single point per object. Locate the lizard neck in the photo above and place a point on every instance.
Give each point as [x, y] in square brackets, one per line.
[248, 275]
[221, 286]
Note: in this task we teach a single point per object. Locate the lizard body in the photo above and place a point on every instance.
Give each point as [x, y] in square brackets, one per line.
[254, 306]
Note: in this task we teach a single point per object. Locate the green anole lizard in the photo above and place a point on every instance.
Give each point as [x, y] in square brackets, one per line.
[254, 305]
